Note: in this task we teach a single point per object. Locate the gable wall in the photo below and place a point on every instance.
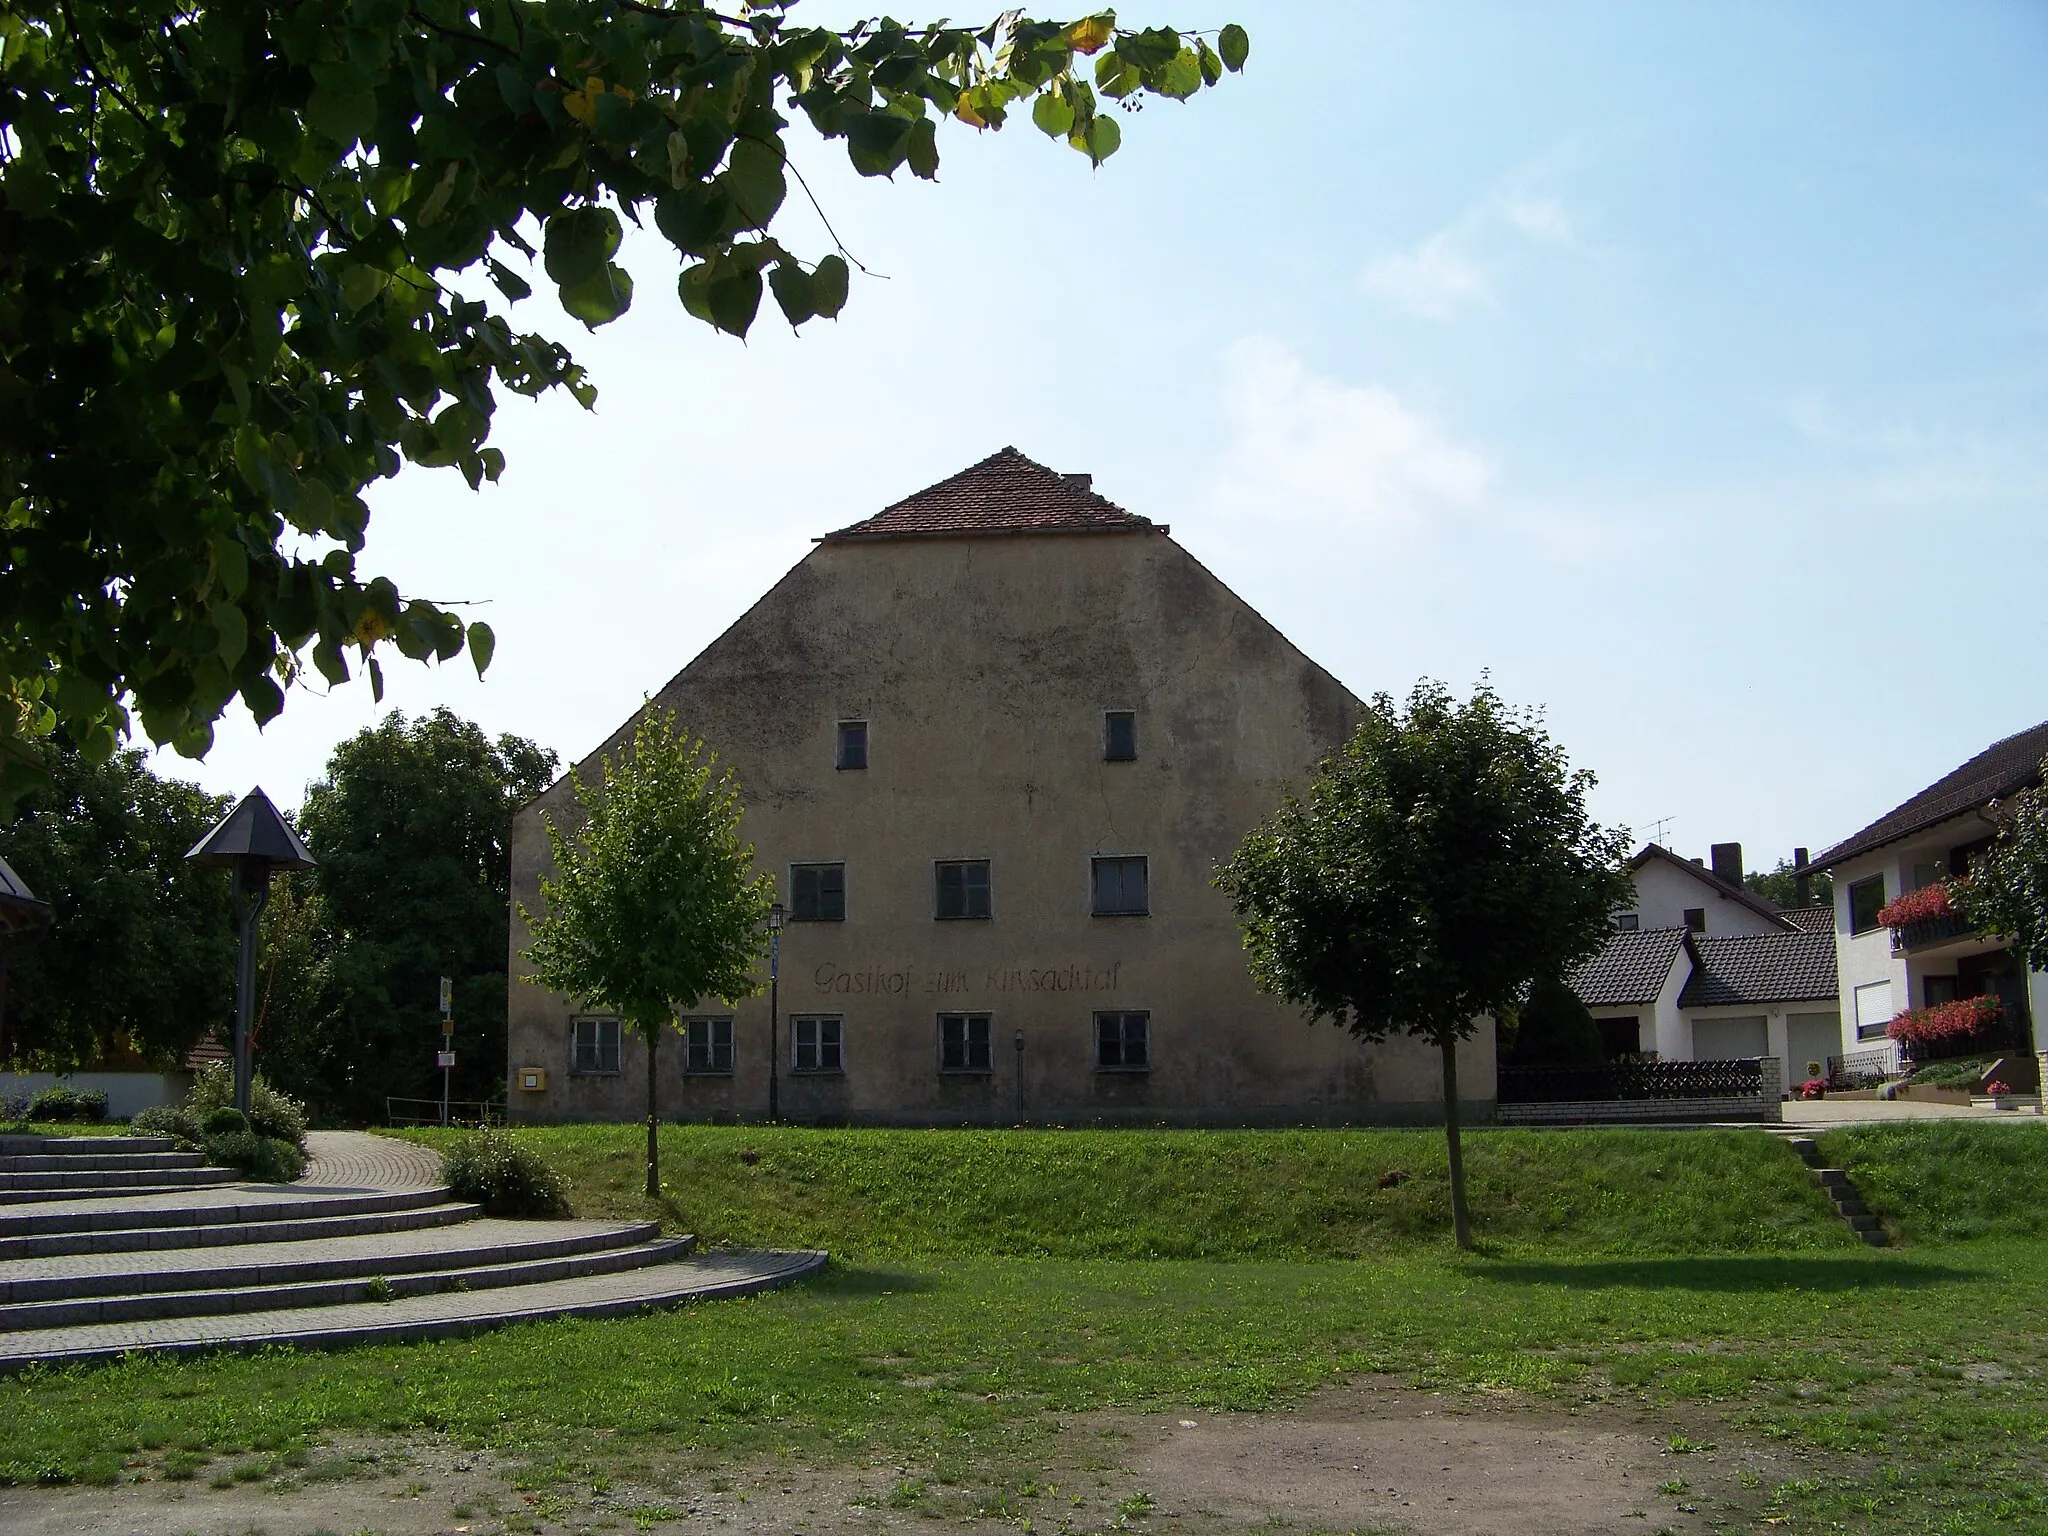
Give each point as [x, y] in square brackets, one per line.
[983, 666]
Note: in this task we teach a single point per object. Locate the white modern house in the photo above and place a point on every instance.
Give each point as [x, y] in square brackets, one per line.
[1884, 970]
[1700, 969]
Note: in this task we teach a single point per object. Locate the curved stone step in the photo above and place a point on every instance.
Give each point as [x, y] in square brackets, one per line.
[469, 1244]
[82, 1146]
[337, 1292]
[238, 1203]
[21, 1197]
[87, 1182]
[443, 1315]
[40, 1162]
[399, 1211]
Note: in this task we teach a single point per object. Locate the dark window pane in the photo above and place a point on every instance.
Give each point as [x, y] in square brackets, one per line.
[1866, 899]
[1122, 1041]
[964, 1042]
[963, 888]
[1696, 919]
[853, 743]
[1120, 887]
[1119, 736]
[817, 893]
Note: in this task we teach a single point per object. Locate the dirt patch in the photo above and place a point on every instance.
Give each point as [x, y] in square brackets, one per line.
[1371, 1457]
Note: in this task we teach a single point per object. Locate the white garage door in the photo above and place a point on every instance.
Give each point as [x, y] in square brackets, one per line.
[1729, 1039]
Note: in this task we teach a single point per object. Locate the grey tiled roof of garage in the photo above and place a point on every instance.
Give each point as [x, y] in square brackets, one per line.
[1631, 969]
[1760, 968]
[1810, 919]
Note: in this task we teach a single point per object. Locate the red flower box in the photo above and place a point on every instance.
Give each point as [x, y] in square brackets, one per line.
[1923, 905]
[1958, 1020]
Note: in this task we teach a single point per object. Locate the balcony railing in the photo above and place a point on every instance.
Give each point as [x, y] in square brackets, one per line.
[1928, 931]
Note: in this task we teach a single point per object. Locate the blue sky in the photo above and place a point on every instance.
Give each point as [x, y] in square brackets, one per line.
[1685, 367]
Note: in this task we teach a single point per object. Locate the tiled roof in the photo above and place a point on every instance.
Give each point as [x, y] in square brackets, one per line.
[1994, 773]
[1760, 968]
[1632, 969]
[1708, 878]
[1004, 493]
[1810, 919]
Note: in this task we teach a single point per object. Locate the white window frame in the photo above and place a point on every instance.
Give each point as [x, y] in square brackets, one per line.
[987, 1031]
[819, 1038]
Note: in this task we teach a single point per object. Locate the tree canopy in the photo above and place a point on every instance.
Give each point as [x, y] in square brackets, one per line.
[138, 963]
[411, 825]
[1779, 885]
[1442, 860]
[2007, 889]
[230, 234]
[653, 905]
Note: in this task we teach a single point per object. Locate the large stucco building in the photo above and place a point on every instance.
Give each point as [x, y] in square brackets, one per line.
[993, 741]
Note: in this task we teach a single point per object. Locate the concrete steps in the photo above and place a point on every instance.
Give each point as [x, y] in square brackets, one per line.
[1838, 1187]
[99, 1255]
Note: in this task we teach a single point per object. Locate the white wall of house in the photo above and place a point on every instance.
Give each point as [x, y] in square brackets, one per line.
[1673, 1041]
[1870, 981]
[1664, 891]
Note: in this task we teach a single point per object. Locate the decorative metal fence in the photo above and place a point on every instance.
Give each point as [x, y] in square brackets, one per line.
[467, 1112]
[1632, 1080]
[1862, 1069]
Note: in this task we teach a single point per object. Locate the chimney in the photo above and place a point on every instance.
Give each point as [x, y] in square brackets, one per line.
[1728, 862]
[1079, 482]
[1802, 880]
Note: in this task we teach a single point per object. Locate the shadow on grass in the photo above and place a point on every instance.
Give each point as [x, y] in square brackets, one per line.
[1761, 1273]
[837, 1279]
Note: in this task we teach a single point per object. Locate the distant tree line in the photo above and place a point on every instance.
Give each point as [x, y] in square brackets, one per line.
[410, 824]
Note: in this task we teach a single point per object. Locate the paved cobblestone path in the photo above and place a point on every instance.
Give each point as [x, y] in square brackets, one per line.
[359, 1160]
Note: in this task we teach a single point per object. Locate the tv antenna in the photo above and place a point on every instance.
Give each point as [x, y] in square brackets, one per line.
[1657, 830]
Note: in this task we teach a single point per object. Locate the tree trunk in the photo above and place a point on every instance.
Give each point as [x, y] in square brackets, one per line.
[1461, 1218]
[653, 1122]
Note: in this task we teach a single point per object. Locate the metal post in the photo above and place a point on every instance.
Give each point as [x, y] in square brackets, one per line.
[250, 891]
[1020, 1076]
[774, 1012]
[447, 1056]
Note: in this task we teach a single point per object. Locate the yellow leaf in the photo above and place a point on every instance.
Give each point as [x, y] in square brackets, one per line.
[1089, 34]
[370, 628]
[577, 105]
[968, 115]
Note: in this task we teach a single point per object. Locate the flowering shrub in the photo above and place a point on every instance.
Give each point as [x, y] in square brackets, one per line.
[1996, 1089]
[1814, 1088]
[1930, 901]
[1957, 1020]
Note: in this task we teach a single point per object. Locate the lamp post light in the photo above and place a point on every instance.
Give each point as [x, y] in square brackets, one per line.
[253, 841]
[774, 1013]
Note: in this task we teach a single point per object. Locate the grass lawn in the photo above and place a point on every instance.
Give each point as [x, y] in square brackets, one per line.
[956, 1338]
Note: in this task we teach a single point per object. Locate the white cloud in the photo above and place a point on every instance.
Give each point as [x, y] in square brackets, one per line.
[1306, 448]
[1453, 270]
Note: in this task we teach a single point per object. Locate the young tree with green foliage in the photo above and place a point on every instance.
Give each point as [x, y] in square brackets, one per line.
[2007, 891]
[139, 961]
[1779, 885]
[652, 907]
[230, 234]
[1554, 1029]
[411, 824]
[1442, 861]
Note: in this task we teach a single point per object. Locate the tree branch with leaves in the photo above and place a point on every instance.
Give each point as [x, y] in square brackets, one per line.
[229, 238]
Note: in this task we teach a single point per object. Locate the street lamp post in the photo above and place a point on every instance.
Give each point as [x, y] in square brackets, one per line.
[254, 842]
[774, 1012]
[1020, 1077]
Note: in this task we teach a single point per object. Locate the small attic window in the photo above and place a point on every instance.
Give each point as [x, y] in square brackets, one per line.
[853, 744]
[1119, 735]
[1696, 919]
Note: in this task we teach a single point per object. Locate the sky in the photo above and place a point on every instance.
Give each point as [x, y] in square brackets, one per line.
[1681, 368]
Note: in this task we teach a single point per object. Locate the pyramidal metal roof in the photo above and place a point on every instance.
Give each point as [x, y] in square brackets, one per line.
[253, 830]
[1006, 492]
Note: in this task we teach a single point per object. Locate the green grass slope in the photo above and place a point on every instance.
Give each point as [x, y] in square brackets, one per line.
[1196, 1194]
[1949, 1180]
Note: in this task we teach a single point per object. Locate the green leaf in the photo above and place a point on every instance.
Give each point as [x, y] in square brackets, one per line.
[876, 142]
[482, 645]
[359, 285]
[510, 283]
[579, 243]
[343, 115]
[232, 625]
[1053, 114]
[1235, 47]
[600, 298]
[1181, 77]
[923, 153]
[1116, 76]
[755, 181]
[1100, 139]
[695, 219]
[828, 287]
[693, 287]
[734, 298]
[792, 288]
[1212, 67]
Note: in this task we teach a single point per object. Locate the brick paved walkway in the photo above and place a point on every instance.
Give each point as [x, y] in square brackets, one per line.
[359, 1160]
